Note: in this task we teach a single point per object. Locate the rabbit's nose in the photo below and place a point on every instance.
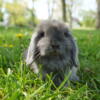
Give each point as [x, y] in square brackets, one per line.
[55, 46]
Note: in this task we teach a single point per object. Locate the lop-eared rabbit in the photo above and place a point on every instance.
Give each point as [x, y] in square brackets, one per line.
[53, 47]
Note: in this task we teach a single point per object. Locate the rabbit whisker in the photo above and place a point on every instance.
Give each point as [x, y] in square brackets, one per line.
[35, 58]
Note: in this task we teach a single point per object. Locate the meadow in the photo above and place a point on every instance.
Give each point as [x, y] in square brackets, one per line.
[18, 82]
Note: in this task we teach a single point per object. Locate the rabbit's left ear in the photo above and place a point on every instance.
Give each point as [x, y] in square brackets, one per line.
[30, 51]
[74, 53]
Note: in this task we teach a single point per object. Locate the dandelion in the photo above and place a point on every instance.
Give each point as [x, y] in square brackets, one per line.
[8, 45]
[19, 35]
[11, 45]
[5, 45]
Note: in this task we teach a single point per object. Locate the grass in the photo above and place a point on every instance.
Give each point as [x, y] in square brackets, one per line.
[18, 82]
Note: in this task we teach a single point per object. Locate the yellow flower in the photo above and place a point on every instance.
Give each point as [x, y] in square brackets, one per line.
[8, 45]
[19, 35]
[11, 46]
[5, 45]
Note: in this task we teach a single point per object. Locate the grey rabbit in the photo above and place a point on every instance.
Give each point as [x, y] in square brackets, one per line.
[55, 49]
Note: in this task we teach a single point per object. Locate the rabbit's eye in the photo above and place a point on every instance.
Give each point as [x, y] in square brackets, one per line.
[41, 34]
[66, 34]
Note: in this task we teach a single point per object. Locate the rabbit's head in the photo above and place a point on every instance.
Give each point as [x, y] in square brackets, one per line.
[52, 40]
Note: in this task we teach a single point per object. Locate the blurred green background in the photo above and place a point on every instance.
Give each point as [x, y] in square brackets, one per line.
[28, 13]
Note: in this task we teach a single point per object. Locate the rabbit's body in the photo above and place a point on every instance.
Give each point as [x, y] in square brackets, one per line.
[54, 48]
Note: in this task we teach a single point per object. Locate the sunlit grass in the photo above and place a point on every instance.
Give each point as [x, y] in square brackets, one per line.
[18, 82]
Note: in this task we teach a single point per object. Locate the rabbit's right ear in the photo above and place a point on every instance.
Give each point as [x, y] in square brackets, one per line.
[30, 52]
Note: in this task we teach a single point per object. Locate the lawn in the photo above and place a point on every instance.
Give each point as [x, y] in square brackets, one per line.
[18, 82]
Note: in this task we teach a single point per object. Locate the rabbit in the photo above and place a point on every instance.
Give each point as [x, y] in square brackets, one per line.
[53, 47]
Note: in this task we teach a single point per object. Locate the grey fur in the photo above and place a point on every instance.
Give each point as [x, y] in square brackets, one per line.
[55, 49]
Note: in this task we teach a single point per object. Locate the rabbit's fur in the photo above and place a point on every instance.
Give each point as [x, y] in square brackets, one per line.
[55, 49]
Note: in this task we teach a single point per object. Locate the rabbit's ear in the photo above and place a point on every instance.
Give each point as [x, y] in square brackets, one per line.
[74, 54]
[30, 51]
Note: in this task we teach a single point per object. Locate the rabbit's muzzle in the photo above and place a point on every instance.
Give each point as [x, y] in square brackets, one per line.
[50, 47]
